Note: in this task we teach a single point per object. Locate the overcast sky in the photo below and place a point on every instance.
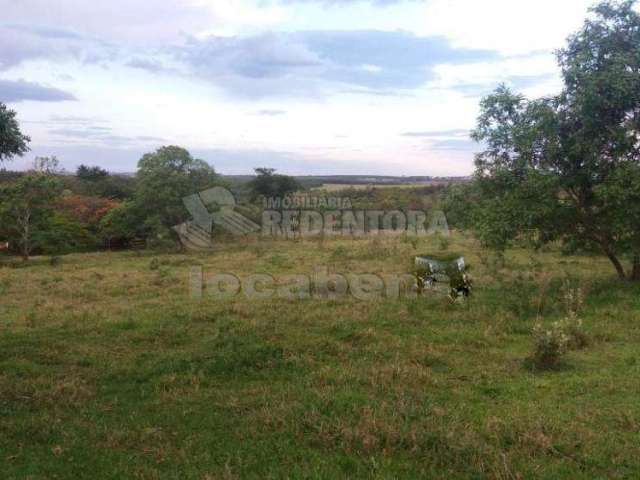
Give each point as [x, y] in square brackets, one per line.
[305, 86]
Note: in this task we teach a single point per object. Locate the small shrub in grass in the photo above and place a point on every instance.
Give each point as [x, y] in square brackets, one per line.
[164, 277]
[550, 345]
[154, 264]
[573, 298]
[572, 323]
[278, 261]
[578, 337]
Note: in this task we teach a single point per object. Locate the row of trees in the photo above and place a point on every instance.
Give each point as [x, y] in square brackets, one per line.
[47, 211]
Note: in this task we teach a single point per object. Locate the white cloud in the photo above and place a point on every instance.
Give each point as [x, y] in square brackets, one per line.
[510, 27]
[219, 75]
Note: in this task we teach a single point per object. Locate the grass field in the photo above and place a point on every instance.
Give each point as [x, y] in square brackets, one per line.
[108, 369]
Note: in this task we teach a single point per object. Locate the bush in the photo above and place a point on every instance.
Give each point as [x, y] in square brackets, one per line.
[63, 234]
[550, 345]
[578, 338]
[572, 323]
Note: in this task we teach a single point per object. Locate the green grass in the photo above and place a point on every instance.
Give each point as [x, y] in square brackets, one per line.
[109, 370]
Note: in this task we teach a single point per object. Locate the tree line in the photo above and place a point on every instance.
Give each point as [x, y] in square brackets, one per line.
[564, 168]
[46, 211]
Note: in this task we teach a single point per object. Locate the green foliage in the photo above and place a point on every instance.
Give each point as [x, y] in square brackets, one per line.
[12, 140]
[63, 234]
[164, 178]
[413, 388]
[121, 224]
[564, 167]
[572, 323]
[269, 184]
[458, 201]
[26, 210]
[91, 174]
[550, 346]
[97, 182]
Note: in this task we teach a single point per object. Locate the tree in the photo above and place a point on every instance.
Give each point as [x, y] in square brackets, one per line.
[561, 167]
[86, 210]
[26, 210]
[12, 141]
[269, 184]
[94, 181]
[164, 178]
[47, 165]
[91, 174]
[63, 234]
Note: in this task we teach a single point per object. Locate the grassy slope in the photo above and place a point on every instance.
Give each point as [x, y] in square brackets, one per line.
[108, 370]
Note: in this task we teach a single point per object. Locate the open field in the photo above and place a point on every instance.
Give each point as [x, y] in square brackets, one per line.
[336, 187]
[108, 369]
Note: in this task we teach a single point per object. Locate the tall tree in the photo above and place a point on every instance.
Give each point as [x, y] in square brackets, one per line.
[91, 174]
[268, 183]
[48, 165]
[164, 178]
[26, 210]
[12, 141]
[560, 167]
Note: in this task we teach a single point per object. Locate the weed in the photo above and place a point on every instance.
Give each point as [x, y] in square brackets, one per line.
[550, 345]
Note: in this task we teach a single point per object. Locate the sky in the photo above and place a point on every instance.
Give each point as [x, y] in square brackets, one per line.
[309, 87]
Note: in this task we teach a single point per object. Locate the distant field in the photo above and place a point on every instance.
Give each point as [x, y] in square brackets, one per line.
[333, 187]
[109, 369]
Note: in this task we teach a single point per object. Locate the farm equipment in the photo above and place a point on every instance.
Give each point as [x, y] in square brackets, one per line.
[443, 273]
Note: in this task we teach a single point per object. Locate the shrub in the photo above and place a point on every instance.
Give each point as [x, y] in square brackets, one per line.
[63, 234]
[578, 337]
[572, 323]
[567, 334]
[550, 345]
[86, 210]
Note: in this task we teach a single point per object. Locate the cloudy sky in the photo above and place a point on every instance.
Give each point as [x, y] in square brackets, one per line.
[305, 86]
